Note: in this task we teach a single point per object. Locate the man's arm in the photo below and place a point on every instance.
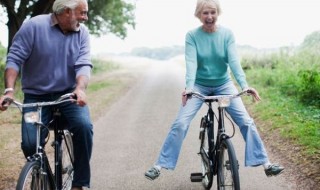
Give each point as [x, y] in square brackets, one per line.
[10, 77]
[82, 83]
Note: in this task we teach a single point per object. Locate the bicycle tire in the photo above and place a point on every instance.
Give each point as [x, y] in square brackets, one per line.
[67, 160]
[206, 163]
[31, 178]
[228, 167]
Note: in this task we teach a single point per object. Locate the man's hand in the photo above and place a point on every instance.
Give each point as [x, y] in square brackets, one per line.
[82, 82]
[5, 101]
[81, 97]
[253, 92]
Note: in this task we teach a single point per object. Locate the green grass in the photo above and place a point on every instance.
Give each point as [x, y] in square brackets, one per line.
[295, 120]
[99, 85]
[103, 66]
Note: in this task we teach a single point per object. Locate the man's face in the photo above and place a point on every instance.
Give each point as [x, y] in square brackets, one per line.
[77, 16]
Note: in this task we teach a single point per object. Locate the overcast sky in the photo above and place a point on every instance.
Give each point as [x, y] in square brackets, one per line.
[259, 23]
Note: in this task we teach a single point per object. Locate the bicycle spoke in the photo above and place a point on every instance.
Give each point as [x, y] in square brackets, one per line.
[228, 176]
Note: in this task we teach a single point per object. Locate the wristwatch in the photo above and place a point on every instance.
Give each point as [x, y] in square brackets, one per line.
[8, 90]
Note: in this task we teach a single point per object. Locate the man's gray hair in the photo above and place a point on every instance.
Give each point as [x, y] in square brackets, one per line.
[60, 5]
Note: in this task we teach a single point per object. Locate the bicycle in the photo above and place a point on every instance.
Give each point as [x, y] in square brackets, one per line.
[217, 153]
[37, 173]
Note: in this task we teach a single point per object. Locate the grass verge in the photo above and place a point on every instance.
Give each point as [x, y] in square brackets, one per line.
[290, 128]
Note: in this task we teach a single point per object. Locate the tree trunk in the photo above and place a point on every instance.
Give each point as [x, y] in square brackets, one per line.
[13, 27]
[15, 19]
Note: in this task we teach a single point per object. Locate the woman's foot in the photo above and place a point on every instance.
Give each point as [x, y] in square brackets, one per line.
[152, 173]
[273, 170]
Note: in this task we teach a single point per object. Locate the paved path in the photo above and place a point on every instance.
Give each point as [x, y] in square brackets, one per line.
[127, 139]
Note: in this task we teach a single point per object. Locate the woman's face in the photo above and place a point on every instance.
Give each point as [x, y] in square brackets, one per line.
[208, 17]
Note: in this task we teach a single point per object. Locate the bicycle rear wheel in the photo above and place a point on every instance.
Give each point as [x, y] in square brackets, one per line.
[228, 167]
[206, 162]
[32, 178]
[67, 160]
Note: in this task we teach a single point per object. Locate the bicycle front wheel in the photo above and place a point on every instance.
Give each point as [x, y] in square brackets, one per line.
[32, 178]
[67, 159]
[228, 167]
[205, 152]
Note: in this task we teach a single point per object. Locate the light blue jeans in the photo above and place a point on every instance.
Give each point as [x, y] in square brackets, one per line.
[255, 153]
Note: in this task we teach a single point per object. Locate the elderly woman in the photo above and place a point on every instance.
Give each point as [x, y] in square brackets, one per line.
[209, 51]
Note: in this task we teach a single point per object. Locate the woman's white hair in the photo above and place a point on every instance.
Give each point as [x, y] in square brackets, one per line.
[206, 3]
[60, 5]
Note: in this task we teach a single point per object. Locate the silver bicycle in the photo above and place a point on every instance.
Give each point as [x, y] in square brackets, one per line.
[37, 173]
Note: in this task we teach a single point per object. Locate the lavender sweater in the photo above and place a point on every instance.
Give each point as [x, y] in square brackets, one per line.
[49, 60]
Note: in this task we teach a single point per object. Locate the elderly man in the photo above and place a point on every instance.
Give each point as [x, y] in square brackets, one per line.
[52, 52]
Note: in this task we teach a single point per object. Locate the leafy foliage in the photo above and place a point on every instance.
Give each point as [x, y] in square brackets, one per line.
[289, 81]
[312, 42]
[113, 16]
[110, 16]
[309, 87]
[2, 54]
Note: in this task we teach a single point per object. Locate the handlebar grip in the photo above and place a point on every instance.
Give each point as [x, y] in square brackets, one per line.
[6, 100]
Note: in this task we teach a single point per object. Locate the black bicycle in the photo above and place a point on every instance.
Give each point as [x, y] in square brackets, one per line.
[37, 173]
[217, 153]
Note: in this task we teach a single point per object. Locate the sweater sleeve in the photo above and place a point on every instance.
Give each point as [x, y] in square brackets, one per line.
[191, 61]
[21, 47]
[83, 64]
[234, 62]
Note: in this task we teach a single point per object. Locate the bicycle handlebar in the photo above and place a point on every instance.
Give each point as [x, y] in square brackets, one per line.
[69, 97]
[217, 97]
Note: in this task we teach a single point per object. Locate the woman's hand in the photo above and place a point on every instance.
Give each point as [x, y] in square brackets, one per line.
[253, 92]
[184, 98]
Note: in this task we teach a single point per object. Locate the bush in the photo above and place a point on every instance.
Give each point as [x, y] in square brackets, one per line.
[2, 63]
[309, 87]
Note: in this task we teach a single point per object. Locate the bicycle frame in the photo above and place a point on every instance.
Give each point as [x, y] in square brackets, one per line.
[58, 134]
[46, 175]
[216, 151]
[40, 155]
[213, 146]
[58, 128]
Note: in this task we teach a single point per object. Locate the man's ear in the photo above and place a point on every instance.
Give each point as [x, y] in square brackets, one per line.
[68, 11]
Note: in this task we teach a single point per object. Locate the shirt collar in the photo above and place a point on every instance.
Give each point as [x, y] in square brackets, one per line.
[54, 20]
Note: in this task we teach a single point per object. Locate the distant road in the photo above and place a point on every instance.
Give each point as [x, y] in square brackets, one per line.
[128, 138]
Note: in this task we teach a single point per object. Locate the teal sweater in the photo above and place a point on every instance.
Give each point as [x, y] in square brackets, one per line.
[208, 57]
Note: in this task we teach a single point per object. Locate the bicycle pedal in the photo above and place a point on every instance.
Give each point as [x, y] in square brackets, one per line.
[196, 177]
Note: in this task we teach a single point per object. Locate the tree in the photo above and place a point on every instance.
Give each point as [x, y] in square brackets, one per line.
[311, 42]
[105, 16]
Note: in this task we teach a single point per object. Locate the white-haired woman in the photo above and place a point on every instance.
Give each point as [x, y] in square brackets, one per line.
[209, 51]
